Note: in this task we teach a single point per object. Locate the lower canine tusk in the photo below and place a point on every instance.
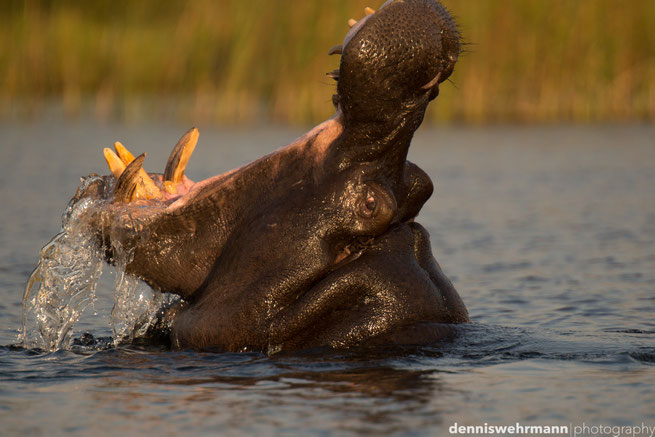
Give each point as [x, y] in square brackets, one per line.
[148, 189]
[179, 158]
[129, 186]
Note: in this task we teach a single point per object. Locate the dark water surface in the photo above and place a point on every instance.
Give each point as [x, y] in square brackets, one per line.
[548, 234]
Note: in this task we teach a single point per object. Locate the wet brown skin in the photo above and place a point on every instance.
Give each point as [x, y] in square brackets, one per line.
[314, 244]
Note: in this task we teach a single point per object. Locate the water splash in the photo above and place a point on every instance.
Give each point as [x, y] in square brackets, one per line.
[135, 307]
[64, 284]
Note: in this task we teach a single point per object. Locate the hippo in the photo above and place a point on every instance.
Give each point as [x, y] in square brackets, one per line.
[316, 244]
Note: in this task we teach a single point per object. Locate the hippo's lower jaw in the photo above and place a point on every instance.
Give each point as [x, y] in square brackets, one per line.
[312, 245]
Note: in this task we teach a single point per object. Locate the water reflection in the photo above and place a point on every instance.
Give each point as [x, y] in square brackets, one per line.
[253, 392]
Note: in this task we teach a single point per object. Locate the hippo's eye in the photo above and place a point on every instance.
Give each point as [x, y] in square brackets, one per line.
[367, 207]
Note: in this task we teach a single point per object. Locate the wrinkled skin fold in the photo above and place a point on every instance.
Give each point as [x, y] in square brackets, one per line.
[315, 244]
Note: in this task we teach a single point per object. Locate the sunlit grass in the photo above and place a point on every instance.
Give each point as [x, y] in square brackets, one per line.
[228, 60]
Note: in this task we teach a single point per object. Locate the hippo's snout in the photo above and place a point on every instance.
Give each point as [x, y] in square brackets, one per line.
[396, 57]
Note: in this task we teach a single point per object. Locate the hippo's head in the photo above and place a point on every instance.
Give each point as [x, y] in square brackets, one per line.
[314, 244]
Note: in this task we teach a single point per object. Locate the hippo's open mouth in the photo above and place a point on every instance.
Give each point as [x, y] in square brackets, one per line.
[314, 244]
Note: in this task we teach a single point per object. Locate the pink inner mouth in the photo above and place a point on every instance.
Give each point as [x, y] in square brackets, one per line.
[181, 188]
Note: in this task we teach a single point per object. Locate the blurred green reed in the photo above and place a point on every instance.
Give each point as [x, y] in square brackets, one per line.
[245, 60]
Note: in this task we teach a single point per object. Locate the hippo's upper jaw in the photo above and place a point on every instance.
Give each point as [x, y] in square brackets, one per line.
[392, 62]
[312, 245]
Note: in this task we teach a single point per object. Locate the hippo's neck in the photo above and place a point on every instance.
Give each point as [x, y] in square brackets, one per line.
[384, 141]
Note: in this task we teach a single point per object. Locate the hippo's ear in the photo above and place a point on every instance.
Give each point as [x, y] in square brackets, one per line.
[394, 56]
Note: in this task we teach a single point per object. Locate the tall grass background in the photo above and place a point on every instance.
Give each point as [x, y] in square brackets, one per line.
[243, 61]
